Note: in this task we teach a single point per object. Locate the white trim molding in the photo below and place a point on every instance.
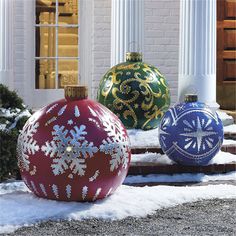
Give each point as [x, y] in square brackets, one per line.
[197, 52]
[6, 42]
[127, 25]
[86, 40]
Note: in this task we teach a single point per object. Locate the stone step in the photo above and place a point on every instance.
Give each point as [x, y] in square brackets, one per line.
[151, 166]
[231, 148]
[146, 168]
[194, 183]
[65, 39]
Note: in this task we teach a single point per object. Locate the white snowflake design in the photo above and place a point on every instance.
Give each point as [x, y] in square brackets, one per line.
[27, 145]
[70, 149]
[116, 144]
[198, 134]
[98, 191]
[84, 192]
[51, 108]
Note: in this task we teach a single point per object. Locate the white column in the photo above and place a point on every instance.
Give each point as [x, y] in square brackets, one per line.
[127, 28]
[197, 52]
[6, 42]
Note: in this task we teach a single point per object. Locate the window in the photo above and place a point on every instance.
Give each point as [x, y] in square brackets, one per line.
[57, 43]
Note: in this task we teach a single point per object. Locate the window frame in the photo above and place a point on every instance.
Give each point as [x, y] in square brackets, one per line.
[56, 58]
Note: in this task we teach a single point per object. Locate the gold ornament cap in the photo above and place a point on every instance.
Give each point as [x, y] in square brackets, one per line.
[76, 92]
[133, 56]
[191, 98]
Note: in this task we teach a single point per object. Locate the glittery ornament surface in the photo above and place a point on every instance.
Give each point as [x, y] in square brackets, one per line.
[73, 151]
[136, 92]
[191, 133]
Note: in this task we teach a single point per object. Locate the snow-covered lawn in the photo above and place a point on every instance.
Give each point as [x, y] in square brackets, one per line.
[19, 207]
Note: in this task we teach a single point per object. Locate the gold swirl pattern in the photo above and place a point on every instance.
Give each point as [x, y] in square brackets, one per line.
[137, 93]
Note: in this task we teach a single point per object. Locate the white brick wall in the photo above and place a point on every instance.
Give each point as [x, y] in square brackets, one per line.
[101, 48]
[19, 47]
[161, 39]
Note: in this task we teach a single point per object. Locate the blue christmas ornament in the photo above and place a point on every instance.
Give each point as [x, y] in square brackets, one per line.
[191, 133]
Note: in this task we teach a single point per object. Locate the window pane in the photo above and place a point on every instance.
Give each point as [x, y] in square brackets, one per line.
[68, 42]
[45, 74]
[45, 12]
[67, 72]
[45, 41]
[68, 12]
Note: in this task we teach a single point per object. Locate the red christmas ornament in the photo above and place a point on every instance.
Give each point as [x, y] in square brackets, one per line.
[74, 149]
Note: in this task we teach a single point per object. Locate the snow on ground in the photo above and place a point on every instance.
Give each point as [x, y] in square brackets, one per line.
[162, 159]
[19, 207]
[223, 158]
[226, 119]
[230, 128]
[141, 138]
[158, 158]
[229, 142]
[178, 178]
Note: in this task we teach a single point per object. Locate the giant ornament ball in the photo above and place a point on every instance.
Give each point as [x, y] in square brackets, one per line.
[74, 149]
[191, 133]
[136, 92]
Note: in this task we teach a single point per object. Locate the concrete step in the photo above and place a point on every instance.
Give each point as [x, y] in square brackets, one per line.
[146, 168]
[225, 148]
[151, 166]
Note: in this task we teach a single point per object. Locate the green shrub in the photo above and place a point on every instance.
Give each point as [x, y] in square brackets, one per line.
[13, 116]
[9, 99]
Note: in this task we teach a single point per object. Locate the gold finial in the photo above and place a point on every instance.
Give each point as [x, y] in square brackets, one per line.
[191, 98]
[133, 56]
[76, 92]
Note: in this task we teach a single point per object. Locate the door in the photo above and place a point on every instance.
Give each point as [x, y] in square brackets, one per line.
[226, 54]
[56, 48]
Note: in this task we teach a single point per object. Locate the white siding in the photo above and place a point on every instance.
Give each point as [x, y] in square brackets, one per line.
[19, 47]
[101, 47]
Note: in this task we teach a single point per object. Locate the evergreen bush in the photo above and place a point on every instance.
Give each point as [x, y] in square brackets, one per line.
[13, 115]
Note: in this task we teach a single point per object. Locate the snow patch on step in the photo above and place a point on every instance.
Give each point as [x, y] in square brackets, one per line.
[162, 159]
[226, 119]
[179, 178]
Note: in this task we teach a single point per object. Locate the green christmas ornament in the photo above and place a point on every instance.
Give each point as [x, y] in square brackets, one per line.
[136, 92]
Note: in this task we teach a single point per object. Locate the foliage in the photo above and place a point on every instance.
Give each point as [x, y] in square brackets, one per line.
[9, 99]
[13, 116]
